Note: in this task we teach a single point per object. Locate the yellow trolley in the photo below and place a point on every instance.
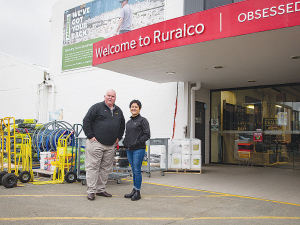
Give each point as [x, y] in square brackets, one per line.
[26, 153]
[7, 178]
[64, 161]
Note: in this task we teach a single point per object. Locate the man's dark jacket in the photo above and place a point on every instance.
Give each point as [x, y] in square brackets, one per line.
[103, 124]
[137, 133]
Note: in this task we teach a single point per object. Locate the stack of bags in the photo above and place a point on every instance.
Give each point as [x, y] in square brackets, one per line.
[82, 158]
[46, 159]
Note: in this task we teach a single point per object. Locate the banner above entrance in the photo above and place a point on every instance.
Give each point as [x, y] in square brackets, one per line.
[245, 17]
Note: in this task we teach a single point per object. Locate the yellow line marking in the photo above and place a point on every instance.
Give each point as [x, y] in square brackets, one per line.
[149, 218]
[246, 218]
[160, 196]
[43, 195]
[221, 194]
[216, 194]
[88, 218]
[184, 196]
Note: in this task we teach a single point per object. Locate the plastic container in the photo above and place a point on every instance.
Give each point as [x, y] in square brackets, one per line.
[42, 163]
[186, 161]
[176, 147]
[44, 155]
[196, 146]
[176, 161]
[185, 147]
[196, 162]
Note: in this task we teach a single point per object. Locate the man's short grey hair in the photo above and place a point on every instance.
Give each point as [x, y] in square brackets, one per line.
[110, 90]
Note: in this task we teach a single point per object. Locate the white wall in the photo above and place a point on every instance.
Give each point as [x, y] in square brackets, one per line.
[18, 88]
[76, 90]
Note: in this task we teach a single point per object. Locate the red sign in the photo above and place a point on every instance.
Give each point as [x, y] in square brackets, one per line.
[257, 136]
[245, 17]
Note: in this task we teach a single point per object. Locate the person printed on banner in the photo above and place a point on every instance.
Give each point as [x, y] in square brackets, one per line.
[125, 21]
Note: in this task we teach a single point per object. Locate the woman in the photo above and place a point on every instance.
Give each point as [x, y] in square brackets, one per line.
[137, 133]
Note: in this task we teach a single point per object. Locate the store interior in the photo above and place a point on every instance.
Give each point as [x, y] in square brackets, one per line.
[259, 126]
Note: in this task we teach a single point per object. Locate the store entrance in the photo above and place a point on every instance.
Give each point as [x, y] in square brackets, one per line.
[259, 126]
[295, 150]
[200, 127]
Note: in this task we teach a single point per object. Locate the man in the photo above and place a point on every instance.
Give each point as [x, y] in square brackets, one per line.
[125, 21]
[104, 126]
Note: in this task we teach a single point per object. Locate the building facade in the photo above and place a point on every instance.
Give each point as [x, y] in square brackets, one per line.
[229, 67]
[246, 54]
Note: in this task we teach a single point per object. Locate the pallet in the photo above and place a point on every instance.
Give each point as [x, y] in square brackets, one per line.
[13, 166]
[43, 173]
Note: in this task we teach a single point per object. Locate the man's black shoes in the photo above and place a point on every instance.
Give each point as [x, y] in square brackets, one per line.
[91, 196]
[104, 194]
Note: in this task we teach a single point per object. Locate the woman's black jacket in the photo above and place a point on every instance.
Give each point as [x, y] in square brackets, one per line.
[137, 133]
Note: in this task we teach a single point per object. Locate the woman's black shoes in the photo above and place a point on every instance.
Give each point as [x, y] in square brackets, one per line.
[136, 196]
[130, 195]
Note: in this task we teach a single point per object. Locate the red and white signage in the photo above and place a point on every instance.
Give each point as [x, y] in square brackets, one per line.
[245, 17]
[257, 136]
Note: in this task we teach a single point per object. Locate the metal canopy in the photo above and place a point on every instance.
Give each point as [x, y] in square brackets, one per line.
[263, 57]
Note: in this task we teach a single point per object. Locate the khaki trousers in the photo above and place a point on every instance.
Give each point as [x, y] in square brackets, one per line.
[98, 162]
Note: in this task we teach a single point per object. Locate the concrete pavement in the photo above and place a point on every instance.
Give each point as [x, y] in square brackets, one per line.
[224, 194]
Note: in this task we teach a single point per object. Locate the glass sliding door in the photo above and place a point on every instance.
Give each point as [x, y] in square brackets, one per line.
[238, 114]
[277, 118]
[295, 137]
[261, 123]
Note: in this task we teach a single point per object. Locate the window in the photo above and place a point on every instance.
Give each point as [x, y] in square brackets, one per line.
[215, 3]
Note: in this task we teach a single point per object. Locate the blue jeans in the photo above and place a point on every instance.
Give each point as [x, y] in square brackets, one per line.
[135, 158]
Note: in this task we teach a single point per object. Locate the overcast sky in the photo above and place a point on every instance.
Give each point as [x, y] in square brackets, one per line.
[25, 30]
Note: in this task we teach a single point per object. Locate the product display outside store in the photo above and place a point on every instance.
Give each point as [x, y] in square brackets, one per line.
[98, 20]
[56, 149]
